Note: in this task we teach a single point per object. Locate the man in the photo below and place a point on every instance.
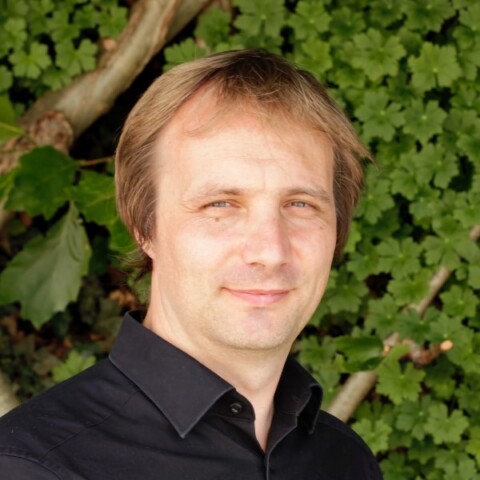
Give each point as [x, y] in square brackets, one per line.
[237, 175]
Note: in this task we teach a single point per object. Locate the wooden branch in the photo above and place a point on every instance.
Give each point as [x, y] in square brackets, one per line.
[359, 384]
[151, 24]
[59, 117]
[8, 400]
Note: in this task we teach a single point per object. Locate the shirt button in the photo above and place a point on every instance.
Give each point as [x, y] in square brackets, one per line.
[236, 408]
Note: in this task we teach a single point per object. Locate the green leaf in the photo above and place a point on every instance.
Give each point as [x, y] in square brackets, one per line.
[42, 181]
[380, 117]
[435, 67]
[346, 22]
[182, 52]
[61, 28]
[381, 316]
[257, 18]
[399, 384]
[8, 124]
[377, 55]
[459, 302]
[399, 257]
[412, 417]
[427, 16]
[374, 433]
[6, 78]
[314, 55]
[424, 121]
[14, 35]
[31, 64]
[309, 20]
[76, 60]
[411, 289]
[46, 275]
[376, 200]
[214, 26]
[75, 363]
[95, 198]
[363, 262]
[120, 239]
[443, 427]
[112, 21]
[363, 352]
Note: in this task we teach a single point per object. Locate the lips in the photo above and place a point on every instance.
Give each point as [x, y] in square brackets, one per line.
[260, 298]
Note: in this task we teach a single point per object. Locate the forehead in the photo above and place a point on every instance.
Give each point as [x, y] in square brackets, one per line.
[206, 115]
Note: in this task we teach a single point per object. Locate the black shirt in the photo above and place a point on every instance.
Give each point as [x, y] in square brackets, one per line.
[152, 412]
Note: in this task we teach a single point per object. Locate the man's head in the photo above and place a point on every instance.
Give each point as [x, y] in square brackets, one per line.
[250, 80]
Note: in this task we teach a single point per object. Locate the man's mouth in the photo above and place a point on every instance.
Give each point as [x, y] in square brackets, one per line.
[259, 298]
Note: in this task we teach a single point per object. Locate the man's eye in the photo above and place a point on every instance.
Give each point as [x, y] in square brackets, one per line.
[218, 204]
[298, 203]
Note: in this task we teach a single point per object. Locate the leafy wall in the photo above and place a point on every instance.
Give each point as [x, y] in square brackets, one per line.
[402, 305]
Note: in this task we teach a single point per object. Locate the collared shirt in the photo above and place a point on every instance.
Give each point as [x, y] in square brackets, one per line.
[150, 411]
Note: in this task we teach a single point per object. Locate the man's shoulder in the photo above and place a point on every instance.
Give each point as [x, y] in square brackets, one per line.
[346, 444]
[47, 421]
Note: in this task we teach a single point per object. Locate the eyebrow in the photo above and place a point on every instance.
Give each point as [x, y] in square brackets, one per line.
[212, 190]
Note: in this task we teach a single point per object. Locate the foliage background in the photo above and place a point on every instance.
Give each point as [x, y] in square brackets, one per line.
[407, 74]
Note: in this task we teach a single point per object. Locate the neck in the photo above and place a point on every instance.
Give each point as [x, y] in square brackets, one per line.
[254, 374]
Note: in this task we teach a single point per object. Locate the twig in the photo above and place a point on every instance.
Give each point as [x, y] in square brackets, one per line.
[357, 386]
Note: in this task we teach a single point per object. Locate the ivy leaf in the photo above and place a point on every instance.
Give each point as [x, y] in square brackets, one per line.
[181, 53]
[399, 384]
[377, 56]
[346, 22]
[385, 12]
[309, 20]
[363, 262]
[428, 16]
[412, 417]
[399, 257]
[112, 21]
[31, 64]
[363, 353]
[258, 18]
[459, 302]
[75, 363]
[424, 121]
[347, 296]
[443, 427]
[95, 198]
[375, 433]
[382, 315]
[8, 125]
[411, 289]
[214, 26]
[76, 60]
[380, 117]
[375, 200]
[14, 35]
[41, 182]
[6, 78]
[405, 180]
[46, 275]
[435, 67]
[61, 28]
[314, 55]
[120, 239]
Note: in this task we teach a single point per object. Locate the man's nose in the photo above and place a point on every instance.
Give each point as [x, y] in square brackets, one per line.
[267, 241]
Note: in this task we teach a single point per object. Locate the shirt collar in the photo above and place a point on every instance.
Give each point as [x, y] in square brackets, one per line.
[170, 377]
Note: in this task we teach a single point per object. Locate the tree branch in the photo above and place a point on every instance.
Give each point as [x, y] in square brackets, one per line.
[359, 384]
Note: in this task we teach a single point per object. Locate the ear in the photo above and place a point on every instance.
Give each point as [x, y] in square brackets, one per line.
[145, 245]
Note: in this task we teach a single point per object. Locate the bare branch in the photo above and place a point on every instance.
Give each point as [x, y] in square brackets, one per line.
[359, 384]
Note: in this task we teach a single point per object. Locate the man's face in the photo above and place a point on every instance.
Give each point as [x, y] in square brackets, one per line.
[245, 232]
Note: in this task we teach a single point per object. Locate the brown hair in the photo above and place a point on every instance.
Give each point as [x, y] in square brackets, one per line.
[266, 81]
